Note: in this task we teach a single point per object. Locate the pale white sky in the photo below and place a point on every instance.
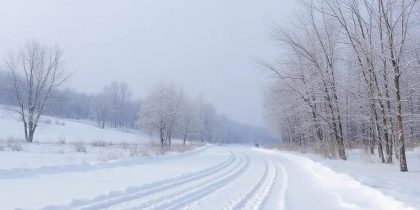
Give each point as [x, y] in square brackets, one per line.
[209, 47]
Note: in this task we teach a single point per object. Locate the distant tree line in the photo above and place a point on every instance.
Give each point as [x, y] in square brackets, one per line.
[112, 107]
[30, 84]
[168, 112]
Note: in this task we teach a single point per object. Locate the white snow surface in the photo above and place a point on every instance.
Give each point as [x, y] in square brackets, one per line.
[215, 177]
[49, 175]
[52, 129]
[387, 178]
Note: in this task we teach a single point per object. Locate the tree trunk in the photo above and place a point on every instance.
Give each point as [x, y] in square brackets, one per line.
[162, 139]
[412, 123]
[380, 152]
[31, 135]
[400, 125]
[25, 126]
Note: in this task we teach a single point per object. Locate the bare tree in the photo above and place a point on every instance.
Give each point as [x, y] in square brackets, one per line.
[206, 118]
[188, 122]
[317, 53]
[100, 109]
[36, 72]
[118, 94]
[160, 112]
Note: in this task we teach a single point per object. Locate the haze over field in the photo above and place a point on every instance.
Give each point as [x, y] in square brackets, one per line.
[207, 47]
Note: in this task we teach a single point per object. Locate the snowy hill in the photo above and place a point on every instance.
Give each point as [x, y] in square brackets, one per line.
[53, 129]
[62, 142]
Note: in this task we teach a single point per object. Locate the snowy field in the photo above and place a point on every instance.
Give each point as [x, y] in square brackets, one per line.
[123, 170]
[214, 177]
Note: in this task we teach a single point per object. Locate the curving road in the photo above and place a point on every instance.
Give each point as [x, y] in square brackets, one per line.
[241, 179]
[217, 177]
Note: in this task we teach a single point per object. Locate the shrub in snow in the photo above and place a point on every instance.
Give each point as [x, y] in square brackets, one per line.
[99, 143]
[112, 155]
[47, 121]
[137, 150]
[134, 150]
[62, 140]
[125, 145]
[326, 151]
[14, 144]
[159, 150]
[80, 146]
[57, 122]
[183, 148]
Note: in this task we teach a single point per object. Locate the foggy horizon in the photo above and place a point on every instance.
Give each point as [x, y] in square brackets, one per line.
[203, 47]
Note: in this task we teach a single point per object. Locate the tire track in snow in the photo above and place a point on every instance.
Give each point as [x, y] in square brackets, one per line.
[280, 185]
[178, 199]
[255, 198]
[198, 204]
[284, 184]
[131, 193]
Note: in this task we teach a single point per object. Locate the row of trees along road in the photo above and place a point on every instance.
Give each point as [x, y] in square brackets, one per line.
[348, 75]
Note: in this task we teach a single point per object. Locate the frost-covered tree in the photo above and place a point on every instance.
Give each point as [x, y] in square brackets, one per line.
[347, 76]
[35, 72]
[160, 111]
[100, 109]
[119, 96]
[206, 120]
[114, 107]
[188, 124]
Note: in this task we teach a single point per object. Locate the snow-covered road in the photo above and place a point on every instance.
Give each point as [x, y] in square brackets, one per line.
[217, 177]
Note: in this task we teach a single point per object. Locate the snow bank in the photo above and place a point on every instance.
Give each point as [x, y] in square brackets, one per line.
[361, 179]
[368, 170]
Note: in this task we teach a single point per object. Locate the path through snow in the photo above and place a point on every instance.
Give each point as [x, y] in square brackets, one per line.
[234, 177]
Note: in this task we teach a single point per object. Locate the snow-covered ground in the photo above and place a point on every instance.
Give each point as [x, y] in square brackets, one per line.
[121, 170]
[368, 170]
[319, 178]
[62, 142]
[214, 177]
[52, 129]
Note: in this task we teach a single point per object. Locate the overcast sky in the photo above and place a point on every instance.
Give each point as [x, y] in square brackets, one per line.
[209, 47]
